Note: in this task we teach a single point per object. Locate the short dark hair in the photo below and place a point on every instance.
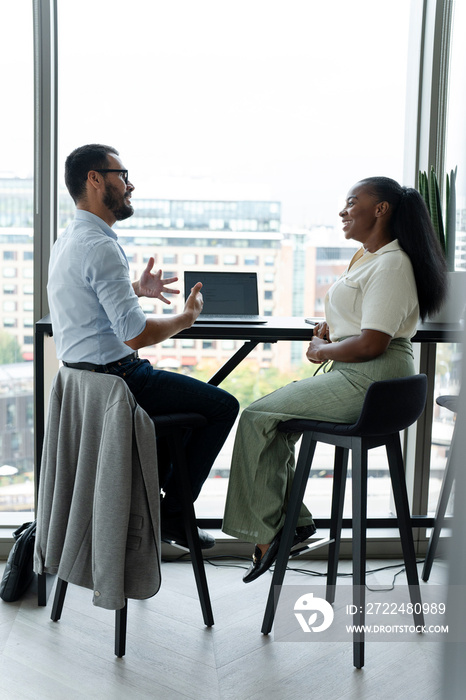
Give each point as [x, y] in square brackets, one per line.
[90, 157]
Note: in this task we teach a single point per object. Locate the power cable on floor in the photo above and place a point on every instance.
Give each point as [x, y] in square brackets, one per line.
[214, 561]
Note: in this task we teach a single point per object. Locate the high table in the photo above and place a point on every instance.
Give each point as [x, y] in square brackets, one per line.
[279, 329]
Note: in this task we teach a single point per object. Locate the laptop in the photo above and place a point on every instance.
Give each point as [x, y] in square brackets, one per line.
[229, 297]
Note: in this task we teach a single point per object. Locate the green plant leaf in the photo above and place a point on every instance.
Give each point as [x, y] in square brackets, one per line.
[450, 219]
[424, 188]
[436, 208]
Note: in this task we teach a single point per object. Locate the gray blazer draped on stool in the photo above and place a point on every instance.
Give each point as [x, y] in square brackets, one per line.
[98, 521]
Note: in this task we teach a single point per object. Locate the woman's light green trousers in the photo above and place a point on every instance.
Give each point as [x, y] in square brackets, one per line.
[263, 460]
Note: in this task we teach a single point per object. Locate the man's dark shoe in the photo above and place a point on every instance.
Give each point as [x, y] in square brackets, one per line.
[173, 532]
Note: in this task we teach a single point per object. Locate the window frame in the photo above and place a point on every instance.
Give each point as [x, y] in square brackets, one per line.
[425, 127]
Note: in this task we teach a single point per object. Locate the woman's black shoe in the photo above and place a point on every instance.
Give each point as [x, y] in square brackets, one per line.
[262, 562]
[303, 533]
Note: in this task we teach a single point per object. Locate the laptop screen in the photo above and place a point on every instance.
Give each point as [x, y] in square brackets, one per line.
[225, 293]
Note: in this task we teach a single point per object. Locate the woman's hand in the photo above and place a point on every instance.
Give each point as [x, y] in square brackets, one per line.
[357, 348]
[315, 350]
[321, 338]
[321, 330]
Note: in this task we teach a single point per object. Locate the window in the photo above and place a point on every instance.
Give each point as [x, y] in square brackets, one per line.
[456, 141]
[210, 259]
[30, 413]
[230, 259]
[10, 414]
[270, 50]
[251, 260]
[9, 271]
[230, 86]
[15, 442]
[216, 224]
[335, 253]
[449, 356]
[16, 236]
[189, 259]
[10, 289]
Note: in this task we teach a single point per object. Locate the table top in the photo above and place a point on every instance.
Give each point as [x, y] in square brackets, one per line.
[283, 328]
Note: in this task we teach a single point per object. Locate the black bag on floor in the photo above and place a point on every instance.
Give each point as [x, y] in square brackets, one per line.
[18, 574]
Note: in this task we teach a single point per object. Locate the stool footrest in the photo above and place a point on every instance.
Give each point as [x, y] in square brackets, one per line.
[310, 546]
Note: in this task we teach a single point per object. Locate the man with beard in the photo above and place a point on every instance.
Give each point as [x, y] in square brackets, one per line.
[98, 324]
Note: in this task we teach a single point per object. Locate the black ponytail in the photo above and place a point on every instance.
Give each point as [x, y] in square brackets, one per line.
[411, 224]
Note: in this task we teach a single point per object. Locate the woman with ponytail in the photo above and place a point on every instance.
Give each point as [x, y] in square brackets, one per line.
[371, 313]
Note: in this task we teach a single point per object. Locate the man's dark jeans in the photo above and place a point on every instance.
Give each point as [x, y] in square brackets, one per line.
[160, 392]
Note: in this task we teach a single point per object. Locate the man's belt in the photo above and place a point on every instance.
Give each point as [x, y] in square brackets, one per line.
[100, 368]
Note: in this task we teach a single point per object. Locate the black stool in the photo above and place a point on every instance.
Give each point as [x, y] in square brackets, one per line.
[450, 402]
[389, 406]
[173, 428]
[120, 616]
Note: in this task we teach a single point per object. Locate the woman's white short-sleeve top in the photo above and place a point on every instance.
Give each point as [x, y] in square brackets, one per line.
[377, 292]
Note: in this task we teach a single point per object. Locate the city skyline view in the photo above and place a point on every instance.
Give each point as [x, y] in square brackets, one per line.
[259, 100]
[243, 102]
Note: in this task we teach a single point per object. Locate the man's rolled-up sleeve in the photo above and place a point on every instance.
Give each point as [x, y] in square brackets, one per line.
[111, 282]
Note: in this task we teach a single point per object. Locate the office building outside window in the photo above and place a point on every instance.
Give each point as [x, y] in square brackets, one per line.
[267, 198]
[16, 259]
[235, 166]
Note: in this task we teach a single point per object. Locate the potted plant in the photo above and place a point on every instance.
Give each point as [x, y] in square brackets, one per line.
[430, 192]
[446, 232]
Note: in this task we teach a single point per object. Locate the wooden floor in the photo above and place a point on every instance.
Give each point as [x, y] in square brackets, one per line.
[172, 655]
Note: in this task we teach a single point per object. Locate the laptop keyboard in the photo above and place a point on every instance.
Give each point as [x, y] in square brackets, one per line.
[244, 318]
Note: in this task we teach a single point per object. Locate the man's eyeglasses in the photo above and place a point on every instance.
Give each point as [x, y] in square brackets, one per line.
[113, 170]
